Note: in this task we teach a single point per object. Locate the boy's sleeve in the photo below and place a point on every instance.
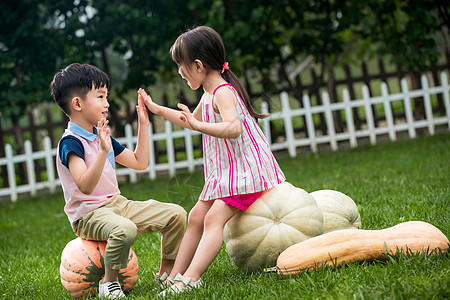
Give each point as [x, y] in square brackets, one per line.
[117, 147]
[67, 145]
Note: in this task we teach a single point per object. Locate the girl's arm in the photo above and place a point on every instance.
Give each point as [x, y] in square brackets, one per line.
[87, 178]
[138, 159]
[168, 113]
[229, 128]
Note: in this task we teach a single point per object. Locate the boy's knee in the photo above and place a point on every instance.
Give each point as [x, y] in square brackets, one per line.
[180, 211]
[126, 233]
[179, 214]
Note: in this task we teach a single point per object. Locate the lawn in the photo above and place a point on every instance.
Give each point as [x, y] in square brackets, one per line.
[391, 183]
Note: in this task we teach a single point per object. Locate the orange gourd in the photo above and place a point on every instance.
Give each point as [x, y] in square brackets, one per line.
[82, 267]
[344, 246]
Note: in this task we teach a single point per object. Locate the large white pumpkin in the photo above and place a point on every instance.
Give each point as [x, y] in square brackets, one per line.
[280, 217]
[339, 210]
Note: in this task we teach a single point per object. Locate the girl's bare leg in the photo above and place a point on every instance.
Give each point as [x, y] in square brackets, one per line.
[191, 238]
[211, 240]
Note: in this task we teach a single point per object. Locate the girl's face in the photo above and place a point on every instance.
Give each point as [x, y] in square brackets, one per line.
[192, 74]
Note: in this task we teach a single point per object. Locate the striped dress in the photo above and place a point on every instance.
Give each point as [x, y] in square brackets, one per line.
[237, 166]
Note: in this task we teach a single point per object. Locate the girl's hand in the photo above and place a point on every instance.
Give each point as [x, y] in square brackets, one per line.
[104, 135]
[187, 117]
[142, 112]
[152, 106]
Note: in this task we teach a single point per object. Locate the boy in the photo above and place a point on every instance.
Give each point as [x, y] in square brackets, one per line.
[86, 158]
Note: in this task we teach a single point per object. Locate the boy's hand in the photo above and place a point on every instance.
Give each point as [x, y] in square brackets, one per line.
[142, 111]
[152, 106]
[104, 135]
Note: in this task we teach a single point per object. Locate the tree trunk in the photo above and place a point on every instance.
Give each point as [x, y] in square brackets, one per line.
[3, 169]
[18, 134]
[15, 120]
[419, 107]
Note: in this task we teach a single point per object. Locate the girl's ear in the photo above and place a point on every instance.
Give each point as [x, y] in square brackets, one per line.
[198, 65]
[76, 103]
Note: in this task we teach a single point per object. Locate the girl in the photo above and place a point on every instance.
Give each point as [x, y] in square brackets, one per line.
[238, 163]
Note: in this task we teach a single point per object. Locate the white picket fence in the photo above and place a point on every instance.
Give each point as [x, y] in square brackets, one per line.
[291, 142]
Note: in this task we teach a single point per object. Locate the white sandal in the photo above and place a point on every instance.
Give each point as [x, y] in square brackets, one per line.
[164, 279]
[188, 284]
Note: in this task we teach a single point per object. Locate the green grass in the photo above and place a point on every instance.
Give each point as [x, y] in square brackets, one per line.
[391, 183]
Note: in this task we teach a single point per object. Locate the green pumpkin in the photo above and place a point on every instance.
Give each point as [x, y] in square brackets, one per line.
[280, 217]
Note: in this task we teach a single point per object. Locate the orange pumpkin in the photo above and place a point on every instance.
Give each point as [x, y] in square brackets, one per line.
[82, 267]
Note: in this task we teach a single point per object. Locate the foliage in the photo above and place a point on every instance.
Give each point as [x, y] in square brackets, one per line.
[407, 30]
[28, 49]
[391, 183]
[265, 40]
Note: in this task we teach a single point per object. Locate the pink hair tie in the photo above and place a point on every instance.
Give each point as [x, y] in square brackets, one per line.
[225, 66]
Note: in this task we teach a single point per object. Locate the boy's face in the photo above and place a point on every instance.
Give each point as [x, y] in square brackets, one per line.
[95, 105]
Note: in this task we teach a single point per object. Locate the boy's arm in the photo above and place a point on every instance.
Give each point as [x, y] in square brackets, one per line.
[86, 178]
[138, 159]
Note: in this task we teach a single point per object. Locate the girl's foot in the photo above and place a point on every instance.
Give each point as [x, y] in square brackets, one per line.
[163, 280]
[180, 284]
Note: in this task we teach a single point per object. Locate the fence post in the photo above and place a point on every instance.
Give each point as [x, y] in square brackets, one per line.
[446, 92]
[310, 123]
[388, 111]
[408, 110]
[349, 118]
[189, 149]
[428, 109]
[288, 124]
[151, 153]
[369, 114]
[130, 145]
[30, 167]
[170, 148]
[11, 172]
[49, 163]
[330, 121]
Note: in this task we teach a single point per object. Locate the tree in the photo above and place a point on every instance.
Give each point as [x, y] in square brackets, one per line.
[266, 40]
[275, 35]
[28, 47]
[404, 29]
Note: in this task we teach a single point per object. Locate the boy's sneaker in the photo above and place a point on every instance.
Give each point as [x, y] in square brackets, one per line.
[110, 290]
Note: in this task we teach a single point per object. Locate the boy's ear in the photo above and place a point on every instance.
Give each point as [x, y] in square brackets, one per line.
[76, 103]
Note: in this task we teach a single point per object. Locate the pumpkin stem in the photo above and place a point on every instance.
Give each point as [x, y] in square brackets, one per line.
[270, 270]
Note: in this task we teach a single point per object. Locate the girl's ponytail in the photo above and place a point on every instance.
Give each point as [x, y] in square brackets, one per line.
[229, 76]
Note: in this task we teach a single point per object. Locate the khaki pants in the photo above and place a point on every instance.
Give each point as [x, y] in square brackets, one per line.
[119, 220]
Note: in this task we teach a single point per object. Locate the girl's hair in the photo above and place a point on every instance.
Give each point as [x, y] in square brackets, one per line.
[205, 44]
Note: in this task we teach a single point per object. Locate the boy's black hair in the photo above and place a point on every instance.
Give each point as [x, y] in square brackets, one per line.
[76, 80]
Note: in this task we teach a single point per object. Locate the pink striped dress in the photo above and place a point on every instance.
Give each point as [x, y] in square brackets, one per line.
[239, 166]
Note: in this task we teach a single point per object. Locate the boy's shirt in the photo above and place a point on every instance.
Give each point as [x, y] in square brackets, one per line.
[86, 145]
